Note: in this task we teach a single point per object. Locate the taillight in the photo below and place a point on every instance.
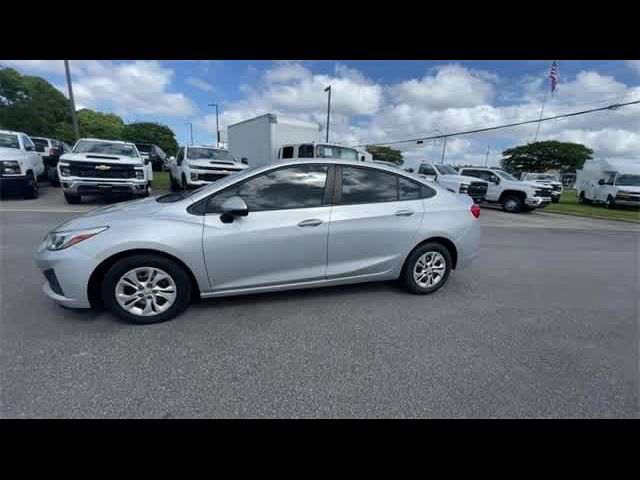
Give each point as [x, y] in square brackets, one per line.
[475, 210]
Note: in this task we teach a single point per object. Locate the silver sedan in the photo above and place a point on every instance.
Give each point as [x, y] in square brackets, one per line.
[296, 224]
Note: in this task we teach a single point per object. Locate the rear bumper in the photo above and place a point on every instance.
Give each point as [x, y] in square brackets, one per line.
[103, 187]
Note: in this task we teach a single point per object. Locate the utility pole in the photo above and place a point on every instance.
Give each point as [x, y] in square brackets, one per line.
[217, 126]
[486, 158]
[74, 116]
[444, 149]
[328, 89]
[191, 130]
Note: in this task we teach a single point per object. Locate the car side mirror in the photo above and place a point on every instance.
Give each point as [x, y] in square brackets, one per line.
[28, 148]
[245, 161]
[601, 181]
[233, 207]
[494, 179]
[146, 161]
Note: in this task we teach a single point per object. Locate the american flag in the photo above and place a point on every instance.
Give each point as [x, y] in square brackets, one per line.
[554, 76]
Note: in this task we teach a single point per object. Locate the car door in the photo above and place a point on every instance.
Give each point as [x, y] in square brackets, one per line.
[428, 171]
[282, 240]
[374, 221]
[174, 166]
[493, 190]
[35, 158]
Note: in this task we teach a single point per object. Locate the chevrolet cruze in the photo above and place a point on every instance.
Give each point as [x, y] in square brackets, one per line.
[295, 224]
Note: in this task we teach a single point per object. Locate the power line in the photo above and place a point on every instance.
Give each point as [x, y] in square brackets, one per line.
[486, 129]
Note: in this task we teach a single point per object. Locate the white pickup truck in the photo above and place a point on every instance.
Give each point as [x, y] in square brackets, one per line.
[514, 195]
[104, 167]
[20, 164]
[547, 179]
[446, 176]
[199, 165]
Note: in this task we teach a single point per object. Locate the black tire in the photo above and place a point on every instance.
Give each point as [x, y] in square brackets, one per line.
[555, 200]
[174, 185]
[610, 203]
[180, 278]
[71, 198]
[52, 177]
[407, 278]
[31, 189]
[184, 182]
[512, 204]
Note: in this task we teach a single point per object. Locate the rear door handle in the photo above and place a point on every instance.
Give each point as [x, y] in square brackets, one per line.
[312, 222]
[404, 213]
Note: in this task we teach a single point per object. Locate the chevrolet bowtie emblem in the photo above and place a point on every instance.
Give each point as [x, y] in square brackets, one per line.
[102, 168]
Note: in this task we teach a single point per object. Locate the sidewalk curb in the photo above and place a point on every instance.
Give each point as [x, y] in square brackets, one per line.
[635, 222]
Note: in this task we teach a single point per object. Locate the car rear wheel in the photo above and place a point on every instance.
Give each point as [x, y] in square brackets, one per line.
[71, 198]
[146, 289]
[174, 185]
[31, 187]
[610, 203]
[512, 204]
[52, 177]
[427, 268]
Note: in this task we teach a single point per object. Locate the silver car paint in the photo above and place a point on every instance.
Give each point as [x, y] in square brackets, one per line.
[266, 251]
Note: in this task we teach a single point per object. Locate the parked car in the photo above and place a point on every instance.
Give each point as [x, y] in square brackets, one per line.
[514, 195]
[104, 167]
[547, 179]
[199, 165]
[154, 153]
[20, 164]
[297, 224]
[446, 176]
[51, 151]
[609, 182]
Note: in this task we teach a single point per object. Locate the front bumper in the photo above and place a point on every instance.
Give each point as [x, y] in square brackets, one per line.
[537, 202]
[12, 183]
[205, 177]
[83, 186]
[72, 268]
[627, 202]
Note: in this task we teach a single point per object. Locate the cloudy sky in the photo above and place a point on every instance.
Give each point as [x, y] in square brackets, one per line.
[372, 101]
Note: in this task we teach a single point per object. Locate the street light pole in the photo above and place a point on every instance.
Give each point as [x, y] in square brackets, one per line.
[444, 149]
[328, 89]
[191, 130]
[486, 158]
[74, 117]
[217, 126]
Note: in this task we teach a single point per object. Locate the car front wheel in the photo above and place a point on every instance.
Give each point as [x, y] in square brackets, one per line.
[512, 204]
[146, 289]
[427, 268]
[31, 187]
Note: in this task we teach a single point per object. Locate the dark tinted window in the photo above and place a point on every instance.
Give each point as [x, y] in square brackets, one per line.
[365, 185]
[180, 156]
[287, 152]
[305, 151]
[426, 169]
[484, 175]
[409, 190]
[293, 187]
[41, 144]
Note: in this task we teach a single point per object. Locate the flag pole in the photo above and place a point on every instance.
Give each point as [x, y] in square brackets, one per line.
[553, 75]
[546, 94]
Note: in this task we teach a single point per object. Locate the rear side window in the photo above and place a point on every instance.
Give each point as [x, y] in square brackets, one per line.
[287, 152]
[365, 185]
[408, 190]
[305, 151]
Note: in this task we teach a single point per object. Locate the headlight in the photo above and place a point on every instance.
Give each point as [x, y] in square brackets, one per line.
[464, 188]
[194, 176]
[65, 170]
[65, 239]
[139, 174]
[191, 165]
[11, 167]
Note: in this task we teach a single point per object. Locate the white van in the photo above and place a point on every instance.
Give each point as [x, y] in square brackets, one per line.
[609, 182]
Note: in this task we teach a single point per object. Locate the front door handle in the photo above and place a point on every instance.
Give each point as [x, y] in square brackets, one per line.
[404, 213]
[312, 222]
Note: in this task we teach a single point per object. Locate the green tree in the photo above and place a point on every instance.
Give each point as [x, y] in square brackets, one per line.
[31, 104]
[152, 132]
[107, 126]
[386, 154]
[542, 156]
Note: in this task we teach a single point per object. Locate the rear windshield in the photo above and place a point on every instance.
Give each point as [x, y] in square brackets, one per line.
[106, 148]
[8, 140]
[41, 144]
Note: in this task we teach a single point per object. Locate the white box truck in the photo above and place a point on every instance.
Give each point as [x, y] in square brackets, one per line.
[609, 182]
[269, 138]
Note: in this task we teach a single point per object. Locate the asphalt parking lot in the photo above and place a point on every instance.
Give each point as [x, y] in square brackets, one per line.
[543, 325]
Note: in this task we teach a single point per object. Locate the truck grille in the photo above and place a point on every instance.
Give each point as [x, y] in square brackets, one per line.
[557, 187]
[543, 192]
[230, 169]
[210, 177]
[477, 189]
[92, 170]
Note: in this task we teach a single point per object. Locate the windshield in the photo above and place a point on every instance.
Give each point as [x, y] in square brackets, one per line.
[446, 170]
[540, 176]
[505, 175]
[341, 153]
[209, 154]
[106, 148]
[8, 140]
[143, 148]
[628, 180]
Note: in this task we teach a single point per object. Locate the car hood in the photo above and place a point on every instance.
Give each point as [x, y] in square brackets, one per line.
[7, 153]
[213, 163]
[98, 158]
[628, 189]
[463, 178]
[545, 182]
[107, 215]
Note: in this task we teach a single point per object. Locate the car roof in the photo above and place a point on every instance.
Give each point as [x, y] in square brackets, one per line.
[205, 146]
[12, 132]
[109, 141]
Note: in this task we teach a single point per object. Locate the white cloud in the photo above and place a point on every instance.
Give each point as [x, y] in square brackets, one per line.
[635, 65]
[200, 84]
[43, 66]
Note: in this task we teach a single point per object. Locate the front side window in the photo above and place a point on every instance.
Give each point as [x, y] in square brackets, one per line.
[305, 151]
[106, 148]
[426, 170]
[446, 169]
[287, 152]
[301, 186]
[180, 156]
[481, 174]
[610, 179]
[505, 175]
